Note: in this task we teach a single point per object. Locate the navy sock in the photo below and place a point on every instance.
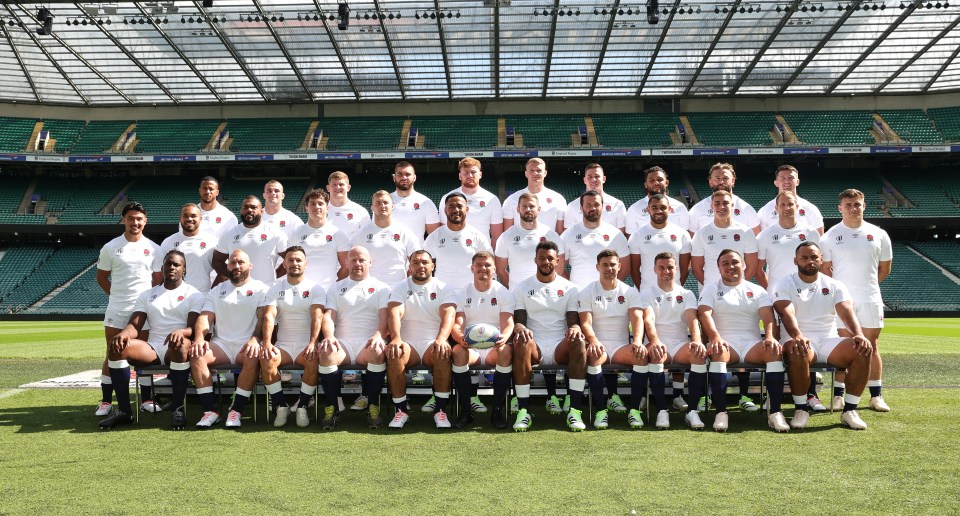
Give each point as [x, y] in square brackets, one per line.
[638, 388]
[208, 401]
[441, 404]
[743, 382]
[610, 379]
[146, 391]
[461, 382]
[812, 391]
[331, 388]
[658, 386]
[239, 402]
[775, 390]
[501, 386]
[121, 385]
[595, 383]
[847, 407]
[875, 390]
[178, 383]
[375, 385]
[523, 403]
[304, 400]
[718, 386]
[550, 382]
[576, 399]
[697, 388]
[106, 392]
[277, 400]
[838, 391]
[403, 406]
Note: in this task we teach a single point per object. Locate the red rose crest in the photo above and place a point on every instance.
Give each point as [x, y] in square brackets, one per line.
[306, 294]
[219, 220]
[869, 238]
[179, 298]
[329, 238]
[249, 293]
[606, 238]
[802, 236]
[469, 242]
[203, 245]
[371, 290]
[559, 293]
[416, 206]
[609, 208]
[493, 301]
[263, 237]
[679, 299]
[736, 211]
[433, 296]
[483, 204]
[396, 237]
[825, 291]
[673, 238]
[349, 216]
[543, 239]
[283, 223]
[736, 238]
[802, 212]
[749, 295]
[146, 252]
[549, 200]
[621, 299]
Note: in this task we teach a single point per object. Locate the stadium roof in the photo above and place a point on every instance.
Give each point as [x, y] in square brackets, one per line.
[243, 51]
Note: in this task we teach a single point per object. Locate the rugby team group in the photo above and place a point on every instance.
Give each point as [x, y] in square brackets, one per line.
[395, 288]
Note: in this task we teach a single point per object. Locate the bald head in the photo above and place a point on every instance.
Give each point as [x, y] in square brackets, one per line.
[358, 261]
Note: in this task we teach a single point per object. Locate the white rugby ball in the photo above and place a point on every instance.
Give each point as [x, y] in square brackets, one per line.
[481, 335]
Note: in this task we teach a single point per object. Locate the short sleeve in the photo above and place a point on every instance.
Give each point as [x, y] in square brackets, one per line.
[105, 260]
[689, 300]
[508, 302]
[635, 299]
[141, 303]
[696, 246]
[749, 241]
[708, 296]
[686, 243]
[195, 302]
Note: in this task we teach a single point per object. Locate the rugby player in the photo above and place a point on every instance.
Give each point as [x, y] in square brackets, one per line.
[731, 311]
[809, 304]
[860, 255]
[584, 240]
[614, 211]
[388, 242]
[196, 246]
[171, 309]
[288, 310]
[659, 236]
[486, 213]
[342, 212]
[722, 177]
[216, 218]
[612, 321]
[655, 182]
[546, 332]
[353, 330]
[411, 208]
[236, 308]
[455, 243]
[325, 244]
[124, 270]
[786, 179]
[724, 232]
[262, 243]
[516, 247]
[552, 204]
[484, 300]
[420, 318]
[273, 211]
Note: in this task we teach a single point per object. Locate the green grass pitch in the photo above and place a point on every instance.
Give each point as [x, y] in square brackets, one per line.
[54, 460]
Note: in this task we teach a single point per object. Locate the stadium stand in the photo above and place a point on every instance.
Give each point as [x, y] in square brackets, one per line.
[54, 271]
[457, 132]
[945, 253]
[822, 188]
[78, 200]
[10, 197]
[372, 133]
[544, 131]
[831, 127]
[927, 193]
[174, 136]
[98, 136]
[162, 196]
[746, 129]
[14, 133]
[65, 132]
[635, 129]
[83, 296]
[947, 121]
[18, 263]
[917, 285]
[912, 125]
[233, 192]
[267, 134]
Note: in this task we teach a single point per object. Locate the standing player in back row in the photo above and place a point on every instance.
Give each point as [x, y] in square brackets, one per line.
[516, 247]
[341, 211]
[614, 211]
[124, 270]
[552, 204]
[486, 214]
[860, 255]
[216, 217]
[786, 179]
[410, 207]
[273, 211]
[583, 241]
[659, 236]
[722, 177]
[656, 182]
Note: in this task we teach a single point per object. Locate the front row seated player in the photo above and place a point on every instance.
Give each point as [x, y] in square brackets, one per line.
[288, 310]
[235, 309]
[420, 319]
[353, 331]
[609, 311]
[809, 303]
[171, 309]
[547, 330]
[731, 311]
[484, 300]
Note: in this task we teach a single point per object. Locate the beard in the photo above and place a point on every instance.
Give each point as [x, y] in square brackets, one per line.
[251, 220]
[237, 276]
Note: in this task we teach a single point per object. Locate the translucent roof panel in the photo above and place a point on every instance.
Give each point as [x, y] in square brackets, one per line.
[178, 52]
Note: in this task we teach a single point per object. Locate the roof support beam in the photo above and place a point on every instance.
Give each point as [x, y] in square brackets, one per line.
[603, 48]
[23, 66]
[187, 61]
[656, 49]
[496, 47]
[820, 44]
[873, 46]
[283, 50]
[443, 50]
[943, 68]
[336, 48]
[713, 45]
[794, 5]
[215, 27]
[393, 56]
[920, 53]
[553, 35]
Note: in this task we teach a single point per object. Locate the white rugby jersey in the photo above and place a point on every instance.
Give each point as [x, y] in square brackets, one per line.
[357, 305]
[414, 212]
[131, 269]
[814, 304]
[638, 217]
[286, 220]
[668, 309]
[484, 307]
[389, 249]
[710, 241]
[701, 214]
[614, 212]
[349, 218]
[198, 250]
[647, 242]
[453, 251]
[321, 245]
[235, 309]
[807, 214]
[263, 244]
[610, 309]
[856, 255]
[519, 247]
[547, 305]
[582, 244]
[736, 309]
[168, 310]
[293, 308]
[421, 309]
[552, 206]
[218, 220]
[485, 209]
[778, 246]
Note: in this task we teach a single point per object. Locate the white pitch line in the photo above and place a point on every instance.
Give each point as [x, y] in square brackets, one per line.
[11, 392]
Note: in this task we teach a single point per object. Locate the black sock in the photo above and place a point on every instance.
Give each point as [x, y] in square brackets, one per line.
[638, 388]
[475, 386]
[239, 402]
[441, 404]
[847, 407]
[775, 390]
[501, 386]
[718, 387]
[550, 382]
[658, 386]
[812, 391]
[461, 382]
[106, 391]
[595, 383]
[403, 406]
[697, 388]
[277, 400]
[610, 379]
[375, 385]
[146, 391]
[120, 377]
[208, 401]
[875, 390]
[743, 382]
[838, 391]
[331, 383]
[304, 400]
[576, 399]
[178, 383]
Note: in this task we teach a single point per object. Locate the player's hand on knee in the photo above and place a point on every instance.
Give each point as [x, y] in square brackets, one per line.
[863, 345]
[376, 343]
[442, 349]
[268, 351]
[638, 351]
[718, 346]
[521, 334]
[251, 349]
[595, 349]
[697, 349]
[394, 350]
[119, 342]
[329, 345]
[310, 352]
[199, 348]
[772, 346]
[656, 351]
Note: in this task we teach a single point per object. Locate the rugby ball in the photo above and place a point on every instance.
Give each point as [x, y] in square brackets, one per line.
[481, 335]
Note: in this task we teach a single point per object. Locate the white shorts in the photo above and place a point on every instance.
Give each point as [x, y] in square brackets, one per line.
[742, 345]
[292, 348]
[822, 346]
[674, 348]
[352, 349]
[231, 349]
[548, 355]
[870, 315]
[161, 349]
[115, 318]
